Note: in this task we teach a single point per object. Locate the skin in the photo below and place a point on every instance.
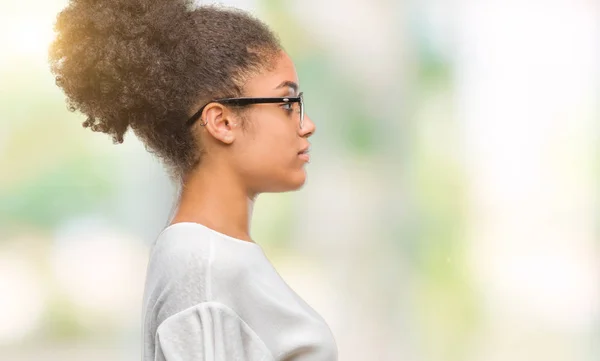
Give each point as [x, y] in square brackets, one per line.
[241, 163]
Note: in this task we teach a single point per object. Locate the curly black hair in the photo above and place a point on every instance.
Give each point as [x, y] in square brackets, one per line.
[149, 64]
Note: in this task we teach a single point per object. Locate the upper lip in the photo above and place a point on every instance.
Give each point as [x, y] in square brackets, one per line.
[304, 150]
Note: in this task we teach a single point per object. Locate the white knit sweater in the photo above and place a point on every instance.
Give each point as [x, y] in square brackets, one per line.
[211, 297]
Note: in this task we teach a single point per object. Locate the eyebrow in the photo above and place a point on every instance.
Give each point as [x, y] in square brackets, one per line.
[289, 84]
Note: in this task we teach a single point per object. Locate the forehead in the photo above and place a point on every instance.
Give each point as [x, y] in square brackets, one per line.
[267, 82]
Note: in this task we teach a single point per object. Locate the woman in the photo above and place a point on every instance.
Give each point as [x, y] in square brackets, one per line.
[212, 93]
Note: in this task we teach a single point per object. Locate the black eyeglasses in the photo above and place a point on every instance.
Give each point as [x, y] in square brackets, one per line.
[248, 101]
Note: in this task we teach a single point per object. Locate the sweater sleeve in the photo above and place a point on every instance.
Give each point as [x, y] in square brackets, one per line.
[209, 331]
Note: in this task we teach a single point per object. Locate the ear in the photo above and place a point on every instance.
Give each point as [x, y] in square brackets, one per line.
[219, 122]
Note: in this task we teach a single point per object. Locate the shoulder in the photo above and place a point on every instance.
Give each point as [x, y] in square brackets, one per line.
[192, 254]
[179, 259]
[182, 237]
[180, 244]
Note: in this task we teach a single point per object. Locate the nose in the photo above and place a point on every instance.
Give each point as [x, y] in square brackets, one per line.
[308, 127]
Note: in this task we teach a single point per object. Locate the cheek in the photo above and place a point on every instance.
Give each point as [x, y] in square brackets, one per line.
[274, 152]
[270, 155]
[273, 141]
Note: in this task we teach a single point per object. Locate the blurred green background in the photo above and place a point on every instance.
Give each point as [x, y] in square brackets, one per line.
[451, 210]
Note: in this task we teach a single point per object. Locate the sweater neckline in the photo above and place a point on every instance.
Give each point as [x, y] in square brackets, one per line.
[222, 235]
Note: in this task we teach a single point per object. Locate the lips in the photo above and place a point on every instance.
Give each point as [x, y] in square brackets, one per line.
[303, 154]
[304, 151]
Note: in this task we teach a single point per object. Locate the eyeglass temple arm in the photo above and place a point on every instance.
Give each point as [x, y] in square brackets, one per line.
[243, 101]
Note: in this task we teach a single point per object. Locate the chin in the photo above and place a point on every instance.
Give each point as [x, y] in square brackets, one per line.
[297, 186]
[293, 182]
[299, 181]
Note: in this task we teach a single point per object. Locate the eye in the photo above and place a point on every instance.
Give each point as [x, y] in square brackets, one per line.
[287, 106]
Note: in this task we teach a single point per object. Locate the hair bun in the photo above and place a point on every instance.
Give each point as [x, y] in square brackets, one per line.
[143, 64]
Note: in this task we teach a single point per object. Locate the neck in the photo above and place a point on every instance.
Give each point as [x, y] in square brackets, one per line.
[215, 197]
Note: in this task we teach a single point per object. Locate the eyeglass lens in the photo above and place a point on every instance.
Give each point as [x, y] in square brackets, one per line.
[301, 110]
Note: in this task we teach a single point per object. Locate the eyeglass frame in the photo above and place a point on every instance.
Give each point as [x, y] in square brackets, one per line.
[243, 101]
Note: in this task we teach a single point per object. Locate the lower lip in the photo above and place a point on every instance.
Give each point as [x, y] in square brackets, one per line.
[305, 157]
